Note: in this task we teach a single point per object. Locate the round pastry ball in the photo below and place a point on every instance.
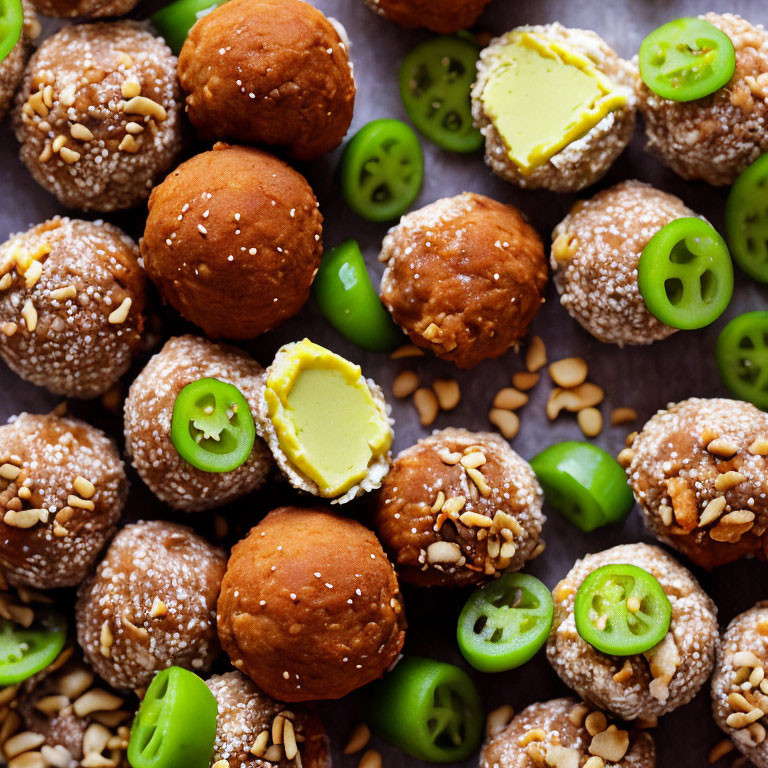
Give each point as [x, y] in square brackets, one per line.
[699, 474]
[72, 312]
[464, 277]
[98, 117]
[595, 252]
[555, 733]
[442, 16]
[658, 681]
[564, 160]
[716, 137]
[310, 607]
[736, 685]
[270, 72]
[151, 604]
[233, 241]
[148, 414]
[93, 9]
[245, 713]
[12, 66]
[433, 509]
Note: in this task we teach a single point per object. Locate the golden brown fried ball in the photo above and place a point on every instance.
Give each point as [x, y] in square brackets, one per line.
[310, 607]
[12, 66]
[62, 490]
[151, 604]
[459, 507]
[93, 9]
[442, 16]
[464, 277]
[233, 241]
[270, 72]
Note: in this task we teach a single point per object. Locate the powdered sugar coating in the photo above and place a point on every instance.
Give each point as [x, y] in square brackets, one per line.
[12, 66]
[596, 274]
[693, 629]
[584, 161]
[119, 628]
[716, 137]
[149, 409]
[76, 346]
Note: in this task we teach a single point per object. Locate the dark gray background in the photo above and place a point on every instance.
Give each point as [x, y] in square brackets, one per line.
[645, 378]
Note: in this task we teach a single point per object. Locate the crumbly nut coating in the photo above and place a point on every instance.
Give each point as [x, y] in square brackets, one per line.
[699, 474]
[62, 490]
[644, 685]
[233, 241]
[12, 66]
[739, 686]
[584, 161]
[554, 733]
[99, 116]
[595, 252]
[310, 607]
[149, 410]
[245, 713]
[92, 9]
[442, 16]
[270, 72]
[464, 277]
[151, 604]
[457, 508]
[72, 312]
[715, 138]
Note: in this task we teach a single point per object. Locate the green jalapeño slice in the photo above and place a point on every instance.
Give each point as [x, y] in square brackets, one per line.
[505, 623]
[435, 83]
[746, 220]
[25, 652]
[686, 59]
[11, 25]
[685, 274]
[212, 427]
[742, 357]
[175, 20]
[622, 610]
[429, 709]
[175, 726]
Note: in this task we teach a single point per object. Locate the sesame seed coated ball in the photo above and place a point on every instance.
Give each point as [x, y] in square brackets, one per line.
[248, 721]
[556, 733]
[739, 687]
[457, 508]
[310, 607]
[93, 9]
[72, 298]
[464, 277]
[699, 474]
[233, 241]
[98, 117]
[148, 414]
[595, 252]
[12, 66]
[151, 605]
[442, 16]
[62, 489]
[716, 137]
[645, 685]
[272, 72]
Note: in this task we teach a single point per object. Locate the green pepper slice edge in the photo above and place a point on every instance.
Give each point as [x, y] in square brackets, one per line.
[734, 359]
[11, 26]
[44, 641]
[175, 20]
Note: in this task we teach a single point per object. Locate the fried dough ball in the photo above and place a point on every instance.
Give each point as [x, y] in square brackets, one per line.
[595, 252]
[151, 604]
[581, 161]
[566, 740]
[442, 16]
[716, 137]
[92, 9]
[98, 117]
[245, 713]
[433, 510]
[658, 681]
[699, 474]
[464, 277]
[233, 241]
[62, 490]
[739, 700]
[72, 313]
[272, 72]
[310, 607]
[149, 410]
[12, 66]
